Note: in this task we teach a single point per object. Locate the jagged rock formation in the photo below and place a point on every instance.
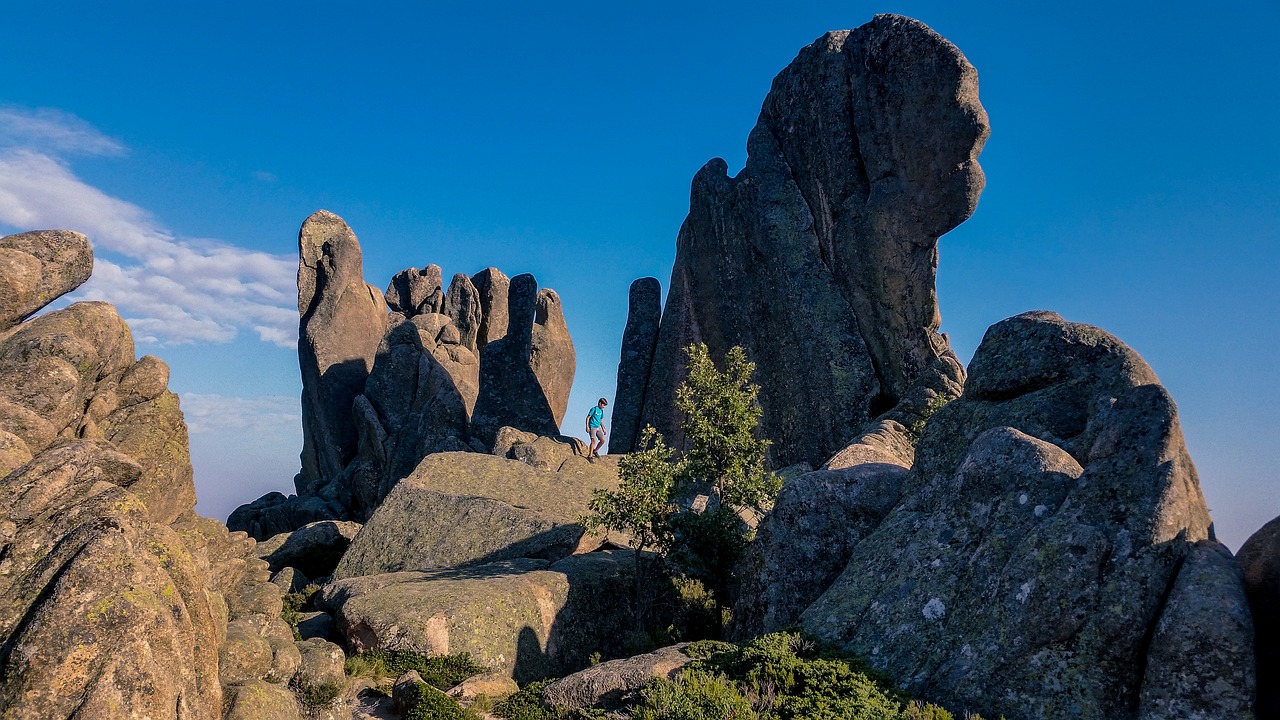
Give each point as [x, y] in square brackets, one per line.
[342, 323]
[820, 257]
[511, 393]
[391, 378]
[551, 353]
[639, 339]
[116, 599]
[461, 509]
[417, 401]
[1259, 558]
[1051, 534]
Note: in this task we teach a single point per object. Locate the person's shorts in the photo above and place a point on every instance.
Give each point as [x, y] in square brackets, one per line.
[596, 434]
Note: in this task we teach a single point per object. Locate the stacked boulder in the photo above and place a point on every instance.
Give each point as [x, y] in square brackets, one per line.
[392, 377]
[820, 256]
[116, 599]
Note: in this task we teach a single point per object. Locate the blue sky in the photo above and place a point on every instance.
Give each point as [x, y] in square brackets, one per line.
[1133, 180]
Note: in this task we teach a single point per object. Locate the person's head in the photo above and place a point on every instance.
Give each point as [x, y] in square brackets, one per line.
[602, 403]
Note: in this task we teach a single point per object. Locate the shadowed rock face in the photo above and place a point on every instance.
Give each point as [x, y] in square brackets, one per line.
[510, 392]
[1046, 538]
[820, 257]
[1260, 560]
[644, 313]
[342, 322]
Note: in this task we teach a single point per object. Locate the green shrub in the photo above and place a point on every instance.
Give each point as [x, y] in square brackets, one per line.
[694, 695]
[317, 696]
[526, 704]
[431, 704]
[439, 671]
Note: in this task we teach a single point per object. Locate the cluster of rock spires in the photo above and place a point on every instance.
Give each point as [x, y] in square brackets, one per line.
[391, 377]
[1036, 547]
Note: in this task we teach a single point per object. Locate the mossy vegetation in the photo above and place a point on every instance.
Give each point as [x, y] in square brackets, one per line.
[781, 676]
[319, 695]
[431, 704]
[441, 672]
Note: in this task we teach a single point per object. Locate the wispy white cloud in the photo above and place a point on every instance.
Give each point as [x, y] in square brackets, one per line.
[53, 131]
[207, 413]
[171, 290]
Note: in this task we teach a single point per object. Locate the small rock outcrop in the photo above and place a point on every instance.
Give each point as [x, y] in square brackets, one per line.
[1259, 559]
[342, 323]
[462, 306]
[607, 683]
[38, 267]
[313, 549]
[460, 509]
[414, 292]
[639, 339]
[820, 257]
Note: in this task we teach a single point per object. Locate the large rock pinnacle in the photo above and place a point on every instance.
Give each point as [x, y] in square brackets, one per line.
[644, 313]
[820, 256]
[510, 392]
[342, 322]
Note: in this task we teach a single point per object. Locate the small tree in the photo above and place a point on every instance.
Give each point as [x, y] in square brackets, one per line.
[641, 505]
[721, 417]
[723, 457]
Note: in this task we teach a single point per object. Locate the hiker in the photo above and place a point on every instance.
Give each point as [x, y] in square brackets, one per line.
[595, 428]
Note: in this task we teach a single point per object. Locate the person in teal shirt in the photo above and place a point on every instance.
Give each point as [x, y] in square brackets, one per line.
[595, 428]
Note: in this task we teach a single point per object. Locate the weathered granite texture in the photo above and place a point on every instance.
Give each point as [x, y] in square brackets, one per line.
[38, 267]
[521, 617]
[1049, 513]
[820, 256]
[460, 509]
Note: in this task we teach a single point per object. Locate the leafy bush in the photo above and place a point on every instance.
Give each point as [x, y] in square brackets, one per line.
[431, 704]
[789, 676]
[317, 696]
[526, 704]
[440, 671]
[694, 695]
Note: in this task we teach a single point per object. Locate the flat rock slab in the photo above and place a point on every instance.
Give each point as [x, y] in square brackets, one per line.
[525, 618]
[466, 508]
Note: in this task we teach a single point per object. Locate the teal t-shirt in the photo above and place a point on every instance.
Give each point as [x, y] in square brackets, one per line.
[595, 417]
